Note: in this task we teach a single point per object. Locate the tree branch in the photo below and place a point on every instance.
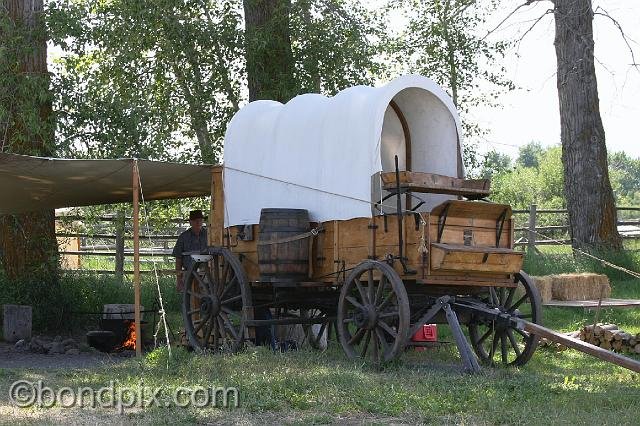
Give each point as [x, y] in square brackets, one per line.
[622, 33]
[513, 12]
[548, 11]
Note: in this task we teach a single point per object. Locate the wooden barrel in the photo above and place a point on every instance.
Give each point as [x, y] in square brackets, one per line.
[285, 261]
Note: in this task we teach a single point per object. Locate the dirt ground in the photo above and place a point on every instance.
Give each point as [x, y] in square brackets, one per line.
[10, 358]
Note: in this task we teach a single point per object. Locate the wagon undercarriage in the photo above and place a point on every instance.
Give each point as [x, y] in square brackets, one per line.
[373, 312]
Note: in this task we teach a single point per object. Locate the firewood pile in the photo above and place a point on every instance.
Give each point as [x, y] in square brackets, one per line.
[606, 336]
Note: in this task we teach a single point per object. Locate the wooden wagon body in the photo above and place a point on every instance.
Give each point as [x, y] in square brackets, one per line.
[376, 277]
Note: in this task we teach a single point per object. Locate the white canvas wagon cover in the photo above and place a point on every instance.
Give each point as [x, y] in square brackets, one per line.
[320, 153]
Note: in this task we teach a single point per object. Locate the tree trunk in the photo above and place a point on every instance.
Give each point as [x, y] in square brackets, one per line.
[270, 65]
[27, 241]
[590, 202]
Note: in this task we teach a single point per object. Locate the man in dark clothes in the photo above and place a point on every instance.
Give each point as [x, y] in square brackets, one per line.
[193, 239]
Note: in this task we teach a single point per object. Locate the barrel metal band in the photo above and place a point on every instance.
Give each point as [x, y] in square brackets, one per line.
[298, 237]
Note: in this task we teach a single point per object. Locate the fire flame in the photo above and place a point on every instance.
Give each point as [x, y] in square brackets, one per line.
[130, 341]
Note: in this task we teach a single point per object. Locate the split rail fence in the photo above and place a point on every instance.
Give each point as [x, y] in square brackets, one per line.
[534, 227]
[530, 231]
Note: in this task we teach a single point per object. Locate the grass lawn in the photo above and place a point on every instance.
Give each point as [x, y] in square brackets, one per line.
[307, 387]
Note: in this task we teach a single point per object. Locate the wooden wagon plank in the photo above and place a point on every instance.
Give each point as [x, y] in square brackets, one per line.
[437, 184]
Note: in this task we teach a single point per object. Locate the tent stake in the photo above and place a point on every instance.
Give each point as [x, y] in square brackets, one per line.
[136, 255]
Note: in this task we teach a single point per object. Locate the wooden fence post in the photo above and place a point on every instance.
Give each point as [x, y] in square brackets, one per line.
[120, 246]
[532, 227]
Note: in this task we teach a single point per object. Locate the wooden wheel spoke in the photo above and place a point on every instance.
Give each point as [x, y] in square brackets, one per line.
[356, 338]
[522, 333]
[381, 285]
[386, 301]
[201, 323]
[383, 325]
[228, 286]
[370, 287]
[503, 349]
[512, 292]
[365, 346]
[375, 353]
[195, 294]
[494, 346]
[494, 296]
[518, 303]
[323, 327]
[205, 287]
[388, 314]
[514, 343]
[383, 342]
[225, 277]
[229, 326]
[231, 299]
[221, 328]
[207, 332]
[214, 334]
[484, 336]
[229, 311]
[354, 302]
[363, 294]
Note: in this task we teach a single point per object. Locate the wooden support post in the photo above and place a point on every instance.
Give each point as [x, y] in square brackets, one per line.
[120, 246]
[136, 254]
[216, 217]
[532, 227]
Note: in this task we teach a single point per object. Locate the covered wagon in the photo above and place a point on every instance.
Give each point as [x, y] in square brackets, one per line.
[353, 211]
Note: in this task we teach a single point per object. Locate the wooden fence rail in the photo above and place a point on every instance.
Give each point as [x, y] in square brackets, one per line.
[533, 232]
[117, 249]
[531, 235]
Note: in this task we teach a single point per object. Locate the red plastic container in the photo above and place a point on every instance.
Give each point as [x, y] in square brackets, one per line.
[428, 333]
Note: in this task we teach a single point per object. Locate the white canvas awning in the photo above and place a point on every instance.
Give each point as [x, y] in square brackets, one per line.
[32, 183]
[322, 154]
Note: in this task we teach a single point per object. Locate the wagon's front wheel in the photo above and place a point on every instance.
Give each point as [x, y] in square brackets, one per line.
[497, 343]
[373, 313]
[216, 300]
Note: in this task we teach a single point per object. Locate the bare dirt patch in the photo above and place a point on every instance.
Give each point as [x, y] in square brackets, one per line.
[12, 358]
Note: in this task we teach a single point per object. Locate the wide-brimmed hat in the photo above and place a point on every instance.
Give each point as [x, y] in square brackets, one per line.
[195, 214]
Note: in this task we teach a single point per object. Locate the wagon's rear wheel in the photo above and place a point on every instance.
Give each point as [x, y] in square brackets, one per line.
[496, 343]
[373, 313]
[216, 300]
[317, 335]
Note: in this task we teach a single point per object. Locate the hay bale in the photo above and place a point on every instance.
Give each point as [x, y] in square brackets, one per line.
[580, 286]
[544, 285]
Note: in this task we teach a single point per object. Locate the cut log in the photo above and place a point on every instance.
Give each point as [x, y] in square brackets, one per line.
[610, 334]
[600, 328]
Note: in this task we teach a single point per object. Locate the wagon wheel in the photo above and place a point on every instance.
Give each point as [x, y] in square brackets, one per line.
[314, 332]
[215, 302]
[499, 343]
[373, 313]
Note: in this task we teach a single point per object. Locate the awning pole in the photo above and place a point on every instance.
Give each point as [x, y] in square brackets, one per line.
[136, 255]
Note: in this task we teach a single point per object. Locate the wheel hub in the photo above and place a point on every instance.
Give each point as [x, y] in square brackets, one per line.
[209, 306]
[366, 317]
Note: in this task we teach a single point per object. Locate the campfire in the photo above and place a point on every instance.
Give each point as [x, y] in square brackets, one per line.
[130, 337]
[117, 331]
